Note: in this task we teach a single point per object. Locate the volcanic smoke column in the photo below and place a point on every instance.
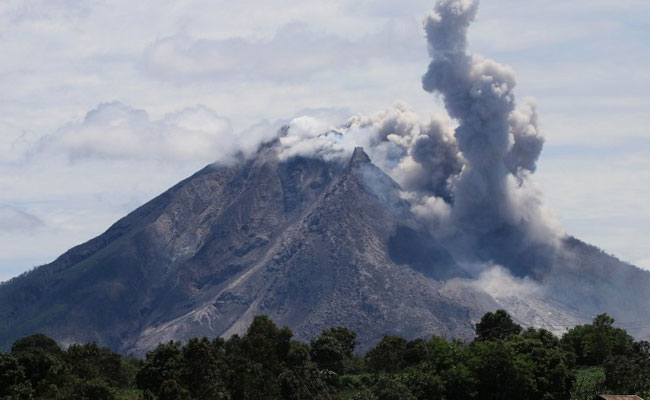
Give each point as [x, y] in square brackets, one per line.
[500, 143]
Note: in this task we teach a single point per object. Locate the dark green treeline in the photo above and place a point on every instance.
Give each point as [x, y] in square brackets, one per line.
[503, 362]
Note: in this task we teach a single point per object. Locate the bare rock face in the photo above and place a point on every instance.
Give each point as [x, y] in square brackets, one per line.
[310, 243]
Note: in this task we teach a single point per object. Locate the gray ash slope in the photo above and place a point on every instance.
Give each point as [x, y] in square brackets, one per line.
[310, 243]
[305, 241]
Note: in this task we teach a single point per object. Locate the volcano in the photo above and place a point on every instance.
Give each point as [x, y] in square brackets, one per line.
[418, 232]
[307, 242]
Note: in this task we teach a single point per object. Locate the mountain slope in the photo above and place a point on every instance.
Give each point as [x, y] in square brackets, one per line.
[310, 243]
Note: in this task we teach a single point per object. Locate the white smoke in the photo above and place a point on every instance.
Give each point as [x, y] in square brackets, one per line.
[525, 299]
[421, 155]
[500, 284]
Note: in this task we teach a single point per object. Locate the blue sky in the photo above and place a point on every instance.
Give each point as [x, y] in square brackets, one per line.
[106, 104]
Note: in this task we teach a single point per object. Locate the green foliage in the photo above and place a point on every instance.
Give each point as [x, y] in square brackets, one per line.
[388, 355]
[629, 372]
[593, 344]
[96, 389]
[589, 382]
[81, 372]
[503, 363]
[500, 372]
[550, 365]
[161, 364]
[496, 326]
[265, 343]
[460, 382]
[204, 369]
[298, 355]
[38, 342]
[171, 390]
[258, 359]
[423, 384]
[333, 348]
[13, 383]
[42, 361]
[128, 394]
[390, 388]
[89, 361]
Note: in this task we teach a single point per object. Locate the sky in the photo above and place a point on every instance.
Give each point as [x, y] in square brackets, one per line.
[106, 104]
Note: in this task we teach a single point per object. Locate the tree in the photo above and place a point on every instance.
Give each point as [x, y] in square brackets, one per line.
[162, 364]
[551, 365]
[257, 360]
[629, 373]
[89, 361]
[424, 384]
[204, 369]
[42, 360]
[593, 343]
[389, 388]
[589, 382]
[388, 355]
[95, 389]
[265, 343]
[496, 326]
[441, 354]
[298, 355]
[13, 383]
[460, 383]
[500, 373]
[171, 390]
[332, 348]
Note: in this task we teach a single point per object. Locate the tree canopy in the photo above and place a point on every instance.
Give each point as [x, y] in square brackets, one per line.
[503, 362]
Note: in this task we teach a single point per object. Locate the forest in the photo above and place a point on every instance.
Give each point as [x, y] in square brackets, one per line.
[504, 361]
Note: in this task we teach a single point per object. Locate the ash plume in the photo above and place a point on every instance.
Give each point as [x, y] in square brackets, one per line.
[471, 183]
[501, 142]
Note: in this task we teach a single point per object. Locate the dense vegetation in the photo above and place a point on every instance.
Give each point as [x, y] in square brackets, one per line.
[503, 362]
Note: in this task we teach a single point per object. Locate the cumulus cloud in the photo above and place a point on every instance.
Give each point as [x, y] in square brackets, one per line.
[117, 131]
[13, 219]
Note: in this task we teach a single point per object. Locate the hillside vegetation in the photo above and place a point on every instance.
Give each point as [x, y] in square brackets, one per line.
[504, 361]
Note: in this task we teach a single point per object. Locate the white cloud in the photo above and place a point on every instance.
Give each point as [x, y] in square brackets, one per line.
[116, 131]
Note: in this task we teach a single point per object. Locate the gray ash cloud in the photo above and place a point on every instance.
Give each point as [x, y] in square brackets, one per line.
[468, 173]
